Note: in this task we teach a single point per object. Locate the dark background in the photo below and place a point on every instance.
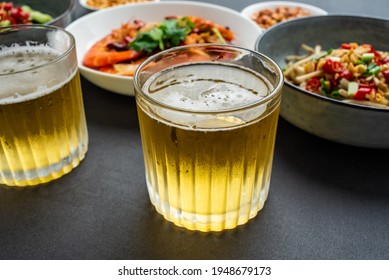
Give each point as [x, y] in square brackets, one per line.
[327, 200]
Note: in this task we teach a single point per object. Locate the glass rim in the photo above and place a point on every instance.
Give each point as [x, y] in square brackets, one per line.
[276, 91]
[15, 28]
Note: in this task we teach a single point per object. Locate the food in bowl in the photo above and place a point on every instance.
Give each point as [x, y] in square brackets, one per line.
[91, 28]
[268, 17]
[352, 72]
[333, 119]
[125, 48]
[269, 13]
[102, 4]
[11, 14]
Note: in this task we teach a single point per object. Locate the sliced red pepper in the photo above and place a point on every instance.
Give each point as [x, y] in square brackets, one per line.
[12, 20]
[332, 67]
[8, 6]
[346, 74]
[386, 75]
[366, 84]
[313, 85]
[140, 23]
[361, 93]
[381, 61]
[345, 46]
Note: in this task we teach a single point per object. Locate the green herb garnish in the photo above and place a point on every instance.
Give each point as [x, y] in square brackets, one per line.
[372, 69]
[324, 86]
[170, 33]
[323, 55]
[335, 94]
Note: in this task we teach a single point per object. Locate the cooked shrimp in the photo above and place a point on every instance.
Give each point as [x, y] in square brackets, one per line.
[102, 55]
[113, 55]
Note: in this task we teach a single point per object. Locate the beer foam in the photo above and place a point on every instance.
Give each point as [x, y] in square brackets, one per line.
[207, 87]
[19, 58]
[220, 89]
[18, 85]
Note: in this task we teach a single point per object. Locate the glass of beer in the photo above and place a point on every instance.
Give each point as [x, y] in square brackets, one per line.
[43, 133]
[208, 117]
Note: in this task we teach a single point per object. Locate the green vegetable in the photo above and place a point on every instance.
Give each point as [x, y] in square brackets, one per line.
[367, 57]
[372, 69]
[323, 55]
[325, 86]
[36, 16]
[219, 35]
[170, 33]
[335, 94]
[375, 70]
[352, 88]
[4, 23]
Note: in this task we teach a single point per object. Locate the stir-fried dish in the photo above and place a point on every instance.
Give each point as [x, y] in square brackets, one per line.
[125, 48]
[11, 14]
[353, 73]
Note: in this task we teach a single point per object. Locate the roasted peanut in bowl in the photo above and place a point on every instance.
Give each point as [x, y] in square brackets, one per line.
[103, 4]
[267, 14]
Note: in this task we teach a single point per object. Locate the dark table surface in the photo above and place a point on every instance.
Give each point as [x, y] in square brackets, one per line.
[327, 200]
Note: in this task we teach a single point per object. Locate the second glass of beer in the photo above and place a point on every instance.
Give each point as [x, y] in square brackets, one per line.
[208, 117]
[43, 132]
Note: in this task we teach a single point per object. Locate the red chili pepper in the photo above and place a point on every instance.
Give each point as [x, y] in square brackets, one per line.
[380, 61]
[170, 17]
[361, 93]
[332, 67]
[8, 6]
[140, 23]
[346, 74]
[12, 20]
[334, 82]
[386, 75]
[366, 84]
[345, 46]
[313, 85]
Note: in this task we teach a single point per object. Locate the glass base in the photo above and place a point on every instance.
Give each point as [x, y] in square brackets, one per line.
[23, 178]
[210, 222]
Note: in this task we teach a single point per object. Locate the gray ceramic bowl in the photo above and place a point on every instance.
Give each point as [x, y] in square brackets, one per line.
[332, 119]
[61, 11]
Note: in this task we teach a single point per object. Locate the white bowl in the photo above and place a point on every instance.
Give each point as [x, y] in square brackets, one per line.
[312, 10]
[94, 26]
[84, 4]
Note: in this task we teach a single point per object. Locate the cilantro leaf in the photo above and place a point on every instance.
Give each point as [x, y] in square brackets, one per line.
[170, 33]
[145, 42]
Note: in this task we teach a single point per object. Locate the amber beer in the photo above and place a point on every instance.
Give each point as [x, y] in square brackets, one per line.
[43, 131]
[208, 133]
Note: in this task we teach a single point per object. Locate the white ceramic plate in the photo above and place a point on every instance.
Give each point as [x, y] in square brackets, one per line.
[313, 10]
[84, 4]
[94, 26]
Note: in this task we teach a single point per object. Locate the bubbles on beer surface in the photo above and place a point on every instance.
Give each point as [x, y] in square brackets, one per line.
[19, 58]
[207, 87]
[14, 60]
[208, 96]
